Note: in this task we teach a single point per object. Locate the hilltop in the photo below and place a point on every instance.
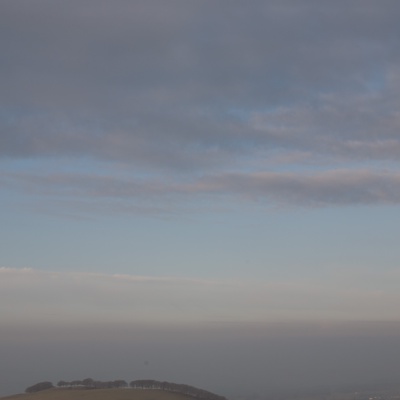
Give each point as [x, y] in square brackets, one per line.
[89, 389]
[99, 394]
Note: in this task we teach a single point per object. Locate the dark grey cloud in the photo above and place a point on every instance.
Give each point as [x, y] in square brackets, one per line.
[196, 86]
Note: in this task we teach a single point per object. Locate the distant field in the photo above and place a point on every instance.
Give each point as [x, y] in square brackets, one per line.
[99, 394]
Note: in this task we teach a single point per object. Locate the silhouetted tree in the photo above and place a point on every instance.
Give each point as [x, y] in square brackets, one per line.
[88, 382]
[38, 387]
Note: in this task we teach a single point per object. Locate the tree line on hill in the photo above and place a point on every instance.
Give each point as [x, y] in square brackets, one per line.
[90, 383]
[87, 383]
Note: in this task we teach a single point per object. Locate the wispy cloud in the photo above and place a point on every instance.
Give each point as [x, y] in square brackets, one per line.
[269, 189]
[76, 297]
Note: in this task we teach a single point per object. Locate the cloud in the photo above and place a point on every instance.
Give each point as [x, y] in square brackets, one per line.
[197, 87]
[173, 105]
[88, 194]
[36, 297]
[340, 187]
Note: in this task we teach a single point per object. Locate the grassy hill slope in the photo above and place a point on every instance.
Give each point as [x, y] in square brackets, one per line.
[99, 394]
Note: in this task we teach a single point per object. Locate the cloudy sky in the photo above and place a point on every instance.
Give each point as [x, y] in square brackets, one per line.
[200, 174]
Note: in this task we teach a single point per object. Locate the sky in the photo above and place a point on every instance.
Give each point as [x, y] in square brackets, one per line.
[192, 183]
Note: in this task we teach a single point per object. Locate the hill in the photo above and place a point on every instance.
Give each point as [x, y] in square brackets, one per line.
[100, 394]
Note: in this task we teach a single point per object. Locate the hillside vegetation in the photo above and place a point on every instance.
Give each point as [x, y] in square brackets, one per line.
[90, 389]
[100, 394]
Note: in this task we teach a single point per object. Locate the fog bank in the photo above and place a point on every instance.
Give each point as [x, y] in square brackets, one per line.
[231, 359]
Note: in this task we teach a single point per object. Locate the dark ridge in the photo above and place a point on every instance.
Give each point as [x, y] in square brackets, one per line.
[38, 387]
[90, 383]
